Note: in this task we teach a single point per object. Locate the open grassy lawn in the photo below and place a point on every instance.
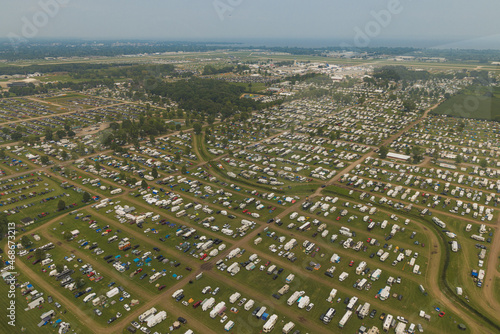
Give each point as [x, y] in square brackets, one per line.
[497, 289]
[203, 154]
[472, 104]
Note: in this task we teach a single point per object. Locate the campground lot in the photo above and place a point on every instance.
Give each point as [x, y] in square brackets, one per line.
[294, 208]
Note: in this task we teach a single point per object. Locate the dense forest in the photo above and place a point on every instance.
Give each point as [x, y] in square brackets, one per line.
[210, 97]
[397, 73]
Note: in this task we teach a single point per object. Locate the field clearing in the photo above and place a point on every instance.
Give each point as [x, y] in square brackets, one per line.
[471, 105]
[497, 288]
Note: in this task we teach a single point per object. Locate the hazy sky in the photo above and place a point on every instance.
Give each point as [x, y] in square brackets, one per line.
[326, 21]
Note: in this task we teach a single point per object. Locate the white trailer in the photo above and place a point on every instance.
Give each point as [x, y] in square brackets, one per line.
[147, 314]
[477, 237]
[288, 327]
[284, 289]
[387, 322]
[261, 311]
[303, 302]
[400, 328]
[220, 307]
[98, 300]
[89, 297]
[376, 274]
[352, 303]
[156, 319]
[234, 297]
[362, 284]
[269, 325]
[229, 325]
[482, 254]
[177, 293]
[293, 298]
[361, 267]
[208, 304]
[249, 304]
[113, 292]
[35, 303]
[364, 311]
[345, 318]
[332, 295]
[46, 261]
[155, 277]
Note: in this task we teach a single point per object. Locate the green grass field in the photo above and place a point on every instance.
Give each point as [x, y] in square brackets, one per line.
[472, 104]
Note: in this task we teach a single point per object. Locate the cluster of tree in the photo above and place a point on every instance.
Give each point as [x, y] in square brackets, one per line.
[299, 78]
[15, 134]
[482, 78]
[209, 97]
[409, 105]
[284, 63]
[416, 153]
[398, 73]
[130, 131]
[29, 89]
[59, 134]
[210, 70]
[383, 151]
[134, 72]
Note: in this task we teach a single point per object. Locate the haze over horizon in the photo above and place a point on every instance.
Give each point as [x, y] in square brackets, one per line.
[446, 24]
